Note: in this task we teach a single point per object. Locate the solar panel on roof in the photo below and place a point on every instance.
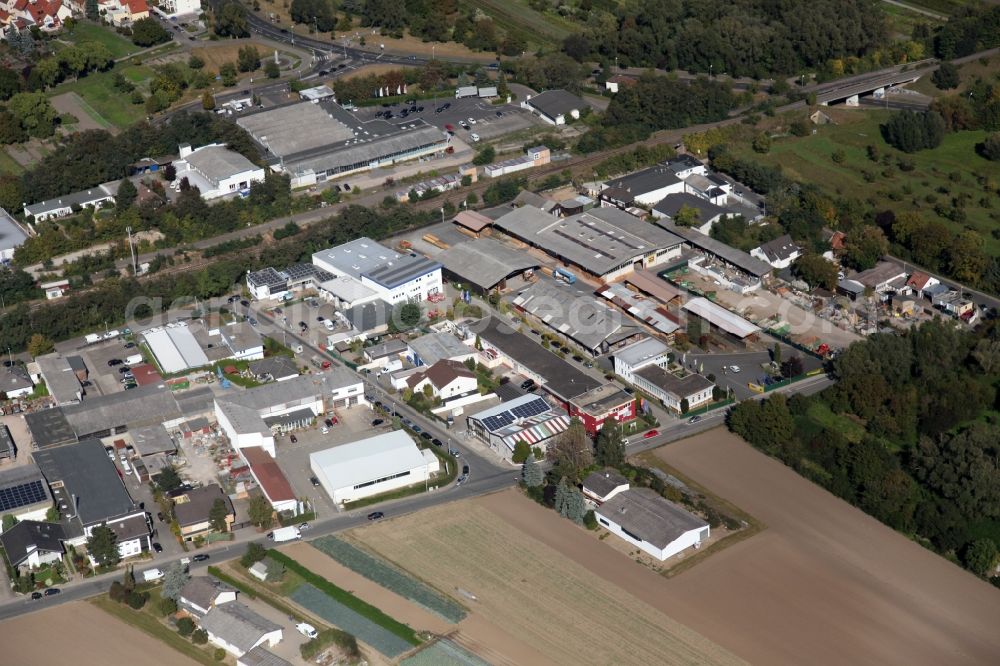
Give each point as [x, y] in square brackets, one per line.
[21, 495]
[533, 408]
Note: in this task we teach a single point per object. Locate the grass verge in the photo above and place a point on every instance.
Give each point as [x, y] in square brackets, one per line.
[344, 597]
[753, 526]
[150, 625]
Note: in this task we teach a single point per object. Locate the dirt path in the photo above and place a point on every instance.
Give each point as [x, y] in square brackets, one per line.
[78, 633]
[825, 583]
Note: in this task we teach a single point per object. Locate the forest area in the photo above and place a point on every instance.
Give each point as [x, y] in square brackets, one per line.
[910, 434]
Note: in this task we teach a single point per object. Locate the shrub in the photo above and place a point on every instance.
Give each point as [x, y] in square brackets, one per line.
[255, 553]
[167, 606]
[199, 637]
[137, 599]
[220, 654]
[117, 592]
[185, 626]
[590, 520]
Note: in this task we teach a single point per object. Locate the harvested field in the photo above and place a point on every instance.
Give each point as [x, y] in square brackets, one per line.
[216, 56]
[543, 598]
[83, 634]
[825, 583]
[373, 70]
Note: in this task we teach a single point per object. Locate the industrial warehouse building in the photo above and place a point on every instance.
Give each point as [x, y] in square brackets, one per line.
[644, 519]
[391, 276]
[216, 170]
[314, 141]
[372, 466]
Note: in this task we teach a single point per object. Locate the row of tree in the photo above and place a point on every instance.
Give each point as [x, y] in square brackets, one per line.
[925, 463]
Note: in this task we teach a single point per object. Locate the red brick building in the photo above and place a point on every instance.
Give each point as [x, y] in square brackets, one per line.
[594, 407]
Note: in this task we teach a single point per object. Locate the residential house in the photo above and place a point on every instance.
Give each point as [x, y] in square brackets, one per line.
[555, 106]
[237, 629]
[602, 485]
[920, 282]
[31, 544]
[645, 188]
[614, 83]
[780, 252]
[180, 7]
[673, 390]
[96, 197]
[123, 13]
[48, 15]
[193, 510]
[450, 381]
[386, 356]
[15, 382]
[657, 526]
[274, 369]
[203, 593]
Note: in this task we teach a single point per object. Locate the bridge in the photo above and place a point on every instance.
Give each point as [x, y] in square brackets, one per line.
[850, 91]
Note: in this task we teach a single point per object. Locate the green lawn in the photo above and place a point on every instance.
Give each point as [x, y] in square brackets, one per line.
[516, 16]
[9, 165]
[85, 31]
[940, 174]
[99, 92]
[821, 414]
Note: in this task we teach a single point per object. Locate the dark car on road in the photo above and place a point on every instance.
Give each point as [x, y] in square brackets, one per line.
[199, 558]
[294, 439]
[157, 547]
[376, 515]
[377, 422]
[426, 435]
[437, 442]
[245, 303]
[527, 383]
[36, 595]
[52, 591]
[313, 480]
[465, 470]
[114, 361]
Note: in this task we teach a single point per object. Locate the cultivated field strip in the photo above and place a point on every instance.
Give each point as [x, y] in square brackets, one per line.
[534, 593]
[391, 578]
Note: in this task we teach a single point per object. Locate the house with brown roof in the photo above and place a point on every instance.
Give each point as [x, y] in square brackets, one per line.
[448, 380]
[203, 593]
[919, 281]
[193, 510]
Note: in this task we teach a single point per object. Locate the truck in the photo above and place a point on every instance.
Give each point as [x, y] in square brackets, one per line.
[284, 534]
[92, 338]
[149, 575]
[134, 359]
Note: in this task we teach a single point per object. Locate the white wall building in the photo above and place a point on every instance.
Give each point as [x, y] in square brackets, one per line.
[216, 170]
[646, 520]
[672, 390]
[780, 252]
[237, 629]
[372, 466]
[394, 277]
[638, 355]
[180, 7]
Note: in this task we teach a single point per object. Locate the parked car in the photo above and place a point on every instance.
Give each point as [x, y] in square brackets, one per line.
[526, 383]
[129, 345]
[329, 423]
[159, 516]
[472, 121]
[245, 303]
[114, 361]
[465, 470]
[437, 442]
[157, 548]
[474, 136]
[36, 595]
[694, 419]
[200, 558]
[417, 429]
[426, 435]
[306, 629]
[313, 480]
[499, 114]
[377, 422]
[650, 433]
[52, 591]
[376, 515]
[293, 439]
[325, 430]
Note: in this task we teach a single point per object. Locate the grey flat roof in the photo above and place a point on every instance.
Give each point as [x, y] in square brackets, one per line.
[370, 316]
[149, 440]
[641, 351]
[672, 203]
[287, 130]
[358, 256]
[647, 180]
[681, 387]
[485, 261]
[400, 271]
[435, 347]
[60, 380]
[218, 163]
[556, 102]
[560, 377]
[577, 315]
[599, 240]
[145, 405]
[49, 427]
[357, 154]
[88, 475]
[648, 516]
[11, 233]
[730, 255]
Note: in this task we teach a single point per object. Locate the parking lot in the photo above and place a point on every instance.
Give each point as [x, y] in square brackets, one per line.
[105, 379]
[487, 124]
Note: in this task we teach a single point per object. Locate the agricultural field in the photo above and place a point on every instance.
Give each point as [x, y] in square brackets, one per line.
[939, 175]
[81, 633]
[528, 596]
[381, 572]
[444, 653]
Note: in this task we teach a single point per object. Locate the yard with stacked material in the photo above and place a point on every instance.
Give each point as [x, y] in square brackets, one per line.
[529, 597]
[80, 633]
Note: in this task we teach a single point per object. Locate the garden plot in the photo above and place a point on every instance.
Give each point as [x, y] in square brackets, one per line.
[381, 572]
[444, 653]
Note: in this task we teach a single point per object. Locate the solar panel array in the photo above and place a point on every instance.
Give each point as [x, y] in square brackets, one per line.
[21, 495]
[503, 419]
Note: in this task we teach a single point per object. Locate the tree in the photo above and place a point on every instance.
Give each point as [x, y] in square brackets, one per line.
[149, 32]
[408, 315]
[231, 20]
[571, 451]
[228, 73]
[11, 132]
[10, 83]
[199, 637]
[485, 156]
[194, 62]
[126, 195]
[166, 606]
[816, 271]
[521, 452]
[864, 247]
[185, 626]
[218, 514]
[207, 101]
[946, 77]
[685, 406]
[168, 479]
[102, 544]
[175, 577]
[980, 556]
[610, 448]
[531, 473]
[248, 59]
[35, 113]
[8, 522]
[39, 345]
[272, 70]
[260, 512]
[687, 216]
[792, 367]
[169, 173]
[562, 496]
[911, 131]
[762, 143]
[576, 507]
[254, 554]
[91, 10]
[990, 147]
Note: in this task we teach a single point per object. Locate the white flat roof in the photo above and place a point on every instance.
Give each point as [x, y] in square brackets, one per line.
[368, 459]
[721, 317]
[175, 348]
